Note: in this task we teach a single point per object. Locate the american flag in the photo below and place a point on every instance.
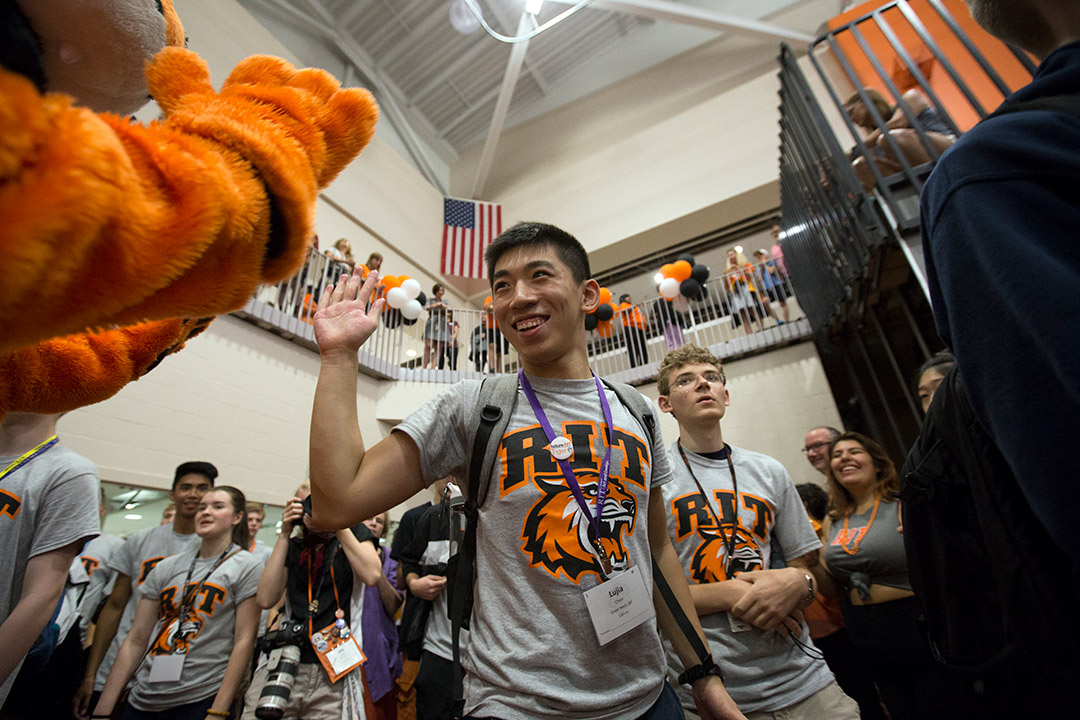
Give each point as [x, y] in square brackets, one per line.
[468, 228]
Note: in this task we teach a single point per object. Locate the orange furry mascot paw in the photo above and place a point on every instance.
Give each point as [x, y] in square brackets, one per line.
[147, 231]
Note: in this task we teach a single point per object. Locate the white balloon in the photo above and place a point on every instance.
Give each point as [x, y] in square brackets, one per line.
[669, 288]
[681, 304]
[411, 309]
[411, 288]
[396, 298]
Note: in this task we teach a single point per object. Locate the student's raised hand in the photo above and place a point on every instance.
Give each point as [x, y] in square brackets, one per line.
[344, 321]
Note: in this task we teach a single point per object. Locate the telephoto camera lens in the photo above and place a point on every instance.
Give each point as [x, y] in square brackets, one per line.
[281, 674]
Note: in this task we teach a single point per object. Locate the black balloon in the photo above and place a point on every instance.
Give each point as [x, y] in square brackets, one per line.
[407, 321]
[687, 257]
[392, 318]
[700, 273]
[690, 288]
[604, 312]
[422, 299]
[591, 321]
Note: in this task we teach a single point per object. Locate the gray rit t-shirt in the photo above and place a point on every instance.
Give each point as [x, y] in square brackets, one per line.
[763, 671]
[532, 651]
[47, 504]
[212, 622]
[136, 558]
[95, 558]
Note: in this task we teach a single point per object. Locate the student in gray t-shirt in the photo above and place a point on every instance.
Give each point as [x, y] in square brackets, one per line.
[197, 614]
[48, 510]
[534, 651]
[132, 563]
[726, 506]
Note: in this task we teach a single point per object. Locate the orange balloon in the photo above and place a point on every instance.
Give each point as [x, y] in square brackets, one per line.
[390, 281]
[681, 270]
[605, 296]
[665, 270]
[364, 270]
[487, 301]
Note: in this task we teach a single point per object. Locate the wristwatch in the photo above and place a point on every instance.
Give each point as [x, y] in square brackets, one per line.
[811, 593]
[705, 667]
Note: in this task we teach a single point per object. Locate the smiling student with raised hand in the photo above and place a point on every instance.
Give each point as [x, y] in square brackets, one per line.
[570, 516]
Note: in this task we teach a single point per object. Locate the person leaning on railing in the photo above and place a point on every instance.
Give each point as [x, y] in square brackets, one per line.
[932, 126]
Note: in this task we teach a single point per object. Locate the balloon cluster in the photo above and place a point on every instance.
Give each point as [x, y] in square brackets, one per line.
[404, 298]
[599, 318]
[683, 277]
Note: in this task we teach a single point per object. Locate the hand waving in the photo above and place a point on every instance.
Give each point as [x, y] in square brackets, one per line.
[344, 320]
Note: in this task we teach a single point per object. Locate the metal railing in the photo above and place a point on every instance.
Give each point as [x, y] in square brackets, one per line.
[749, 310]
[829, 223]
[911, 38]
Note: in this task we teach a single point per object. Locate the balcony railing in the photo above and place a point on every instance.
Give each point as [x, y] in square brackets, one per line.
[737, 314]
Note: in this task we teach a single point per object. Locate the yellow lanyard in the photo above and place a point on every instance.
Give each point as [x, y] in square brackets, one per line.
[28, 456]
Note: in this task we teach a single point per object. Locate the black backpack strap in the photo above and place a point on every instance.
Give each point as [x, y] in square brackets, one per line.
[493, 393]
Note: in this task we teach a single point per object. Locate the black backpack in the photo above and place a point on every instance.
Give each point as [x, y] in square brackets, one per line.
[997, 595]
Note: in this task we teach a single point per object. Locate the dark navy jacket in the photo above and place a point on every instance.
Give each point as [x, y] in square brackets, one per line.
[1001, 235]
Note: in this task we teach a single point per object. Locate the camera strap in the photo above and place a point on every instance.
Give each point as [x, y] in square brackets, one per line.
[334, 645]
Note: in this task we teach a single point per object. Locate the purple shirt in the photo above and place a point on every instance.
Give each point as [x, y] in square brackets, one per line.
[380, 638]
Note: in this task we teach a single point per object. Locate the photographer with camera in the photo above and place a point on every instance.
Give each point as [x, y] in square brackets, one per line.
[311, 670]
[190, 644]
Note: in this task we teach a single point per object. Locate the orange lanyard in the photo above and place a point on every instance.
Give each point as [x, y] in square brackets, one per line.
[312, 606]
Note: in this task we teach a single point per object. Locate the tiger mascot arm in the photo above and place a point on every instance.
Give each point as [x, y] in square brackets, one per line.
[109, 224]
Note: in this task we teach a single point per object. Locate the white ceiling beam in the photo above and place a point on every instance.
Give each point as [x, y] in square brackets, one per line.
[387, 93]
[502, 105]
[675, 12]
[530, 66]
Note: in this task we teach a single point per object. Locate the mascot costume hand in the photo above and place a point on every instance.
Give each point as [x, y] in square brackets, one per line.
[119, 241]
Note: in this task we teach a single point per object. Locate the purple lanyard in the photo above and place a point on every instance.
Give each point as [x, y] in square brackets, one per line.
[564, 465]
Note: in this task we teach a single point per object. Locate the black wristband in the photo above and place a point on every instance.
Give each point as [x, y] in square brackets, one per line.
[706, 667]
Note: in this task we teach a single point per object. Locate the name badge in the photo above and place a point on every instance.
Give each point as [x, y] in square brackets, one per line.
[619, 605]
[167, 668]
[338, 651]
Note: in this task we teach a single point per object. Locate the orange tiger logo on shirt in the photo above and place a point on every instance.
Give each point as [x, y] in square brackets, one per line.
[556, 531]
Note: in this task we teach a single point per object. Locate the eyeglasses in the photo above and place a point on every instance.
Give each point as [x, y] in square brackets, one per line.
[812, 447]
[712, 378]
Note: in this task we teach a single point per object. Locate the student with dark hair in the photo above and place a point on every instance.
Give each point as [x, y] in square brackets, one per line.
[48, 510]
[133, 563]
[324, 577]
[865, 566]
[534, 650]
[930, 375]
[197, 614]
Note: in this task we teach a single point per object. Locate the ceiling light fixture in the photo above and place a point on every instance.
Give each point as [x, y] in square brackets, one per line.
[132, 516]
[462, 18]
[475, 9]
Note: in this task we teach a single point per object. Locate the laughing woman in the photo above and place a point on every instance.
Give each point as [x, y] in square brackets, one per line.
[196, 622]
[867, 570]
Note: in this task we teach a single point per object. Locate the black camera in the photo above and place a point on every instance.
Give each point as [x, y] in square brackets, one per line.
[283, 646]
